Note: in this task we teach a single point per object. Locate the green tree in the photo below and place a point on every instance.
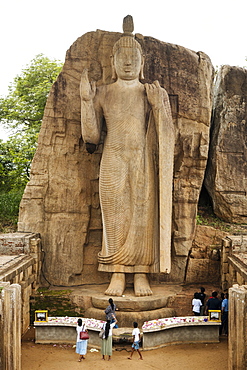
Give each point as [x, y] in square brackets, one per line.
[22, 111]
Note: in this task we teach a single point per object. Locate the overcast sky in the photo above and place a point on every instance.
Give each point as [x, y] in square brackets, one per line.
[30, 27]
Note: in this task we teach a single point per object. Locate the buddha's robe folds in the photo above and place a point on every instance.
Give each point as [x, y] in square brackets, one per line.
[135, 183]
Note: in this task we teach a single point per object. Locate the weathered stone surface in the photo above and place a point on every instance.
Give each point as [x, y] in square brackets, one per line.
[205, 254]
[127, 318]
[136, 169]
[132, 304]
[10, 326]
[237, 343]
[61, 200]
[226, 177]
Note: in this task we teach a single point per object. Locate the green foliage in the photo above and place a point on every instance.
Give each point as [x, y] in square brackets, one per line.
[15, 158]
[9, 208]
[23, 108]
[22, 111]
[206, 217]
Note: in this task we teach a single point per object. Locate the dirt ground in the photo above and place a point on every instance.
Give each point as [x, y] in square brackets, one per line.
[175, 357]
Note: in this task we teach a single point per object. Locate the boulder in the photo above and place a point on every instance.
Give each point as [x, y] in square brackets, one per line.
[226, 179]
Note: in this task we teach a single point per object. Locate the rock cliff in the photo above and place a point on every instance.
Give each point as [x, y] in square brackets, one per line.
[226, 175]
[61, 200]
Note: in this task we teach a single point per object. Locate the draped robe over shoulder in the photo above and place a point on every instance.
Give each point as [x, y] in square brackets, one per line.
[135, 183]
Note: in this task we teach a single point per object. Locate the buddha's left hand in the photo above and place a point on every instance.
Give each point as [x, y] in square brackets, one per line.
[155, 94]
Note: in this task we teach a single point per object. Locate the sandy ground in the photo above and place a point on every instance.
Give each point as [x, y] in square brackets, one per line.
[175, 357]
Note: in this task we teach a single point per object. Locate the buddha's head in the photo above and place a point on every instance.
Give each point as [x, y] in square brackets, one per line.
[127, 58]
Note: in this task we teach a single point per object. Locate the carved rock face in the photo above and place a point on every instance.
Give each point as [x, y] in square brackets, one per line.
[61, 201]
[227, 168]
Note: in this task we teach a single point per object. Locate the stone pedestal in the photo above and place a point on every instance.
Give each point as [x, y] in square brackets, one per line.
[93, 301]
[131, 308]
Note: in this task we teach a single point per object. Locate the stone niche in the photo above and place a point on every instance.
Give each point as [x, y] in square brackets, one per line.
[226, 176]
[61, 201]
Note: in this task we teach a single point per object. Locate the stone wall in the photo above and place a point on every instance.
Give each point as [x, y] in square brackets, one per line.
[22, 269]
[237, 348]
[234, 261]
[10, 326]
[234, 278]
[61, 201]
[13, 244]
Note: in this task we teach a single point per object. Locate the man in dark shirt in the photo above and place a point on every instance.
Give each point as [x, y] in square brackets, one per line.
[202, 296]
[213, 303]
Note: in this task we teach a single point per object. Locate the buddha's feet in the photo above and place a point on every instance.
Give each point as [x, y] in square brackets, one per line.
[117, 284]
[141, 285]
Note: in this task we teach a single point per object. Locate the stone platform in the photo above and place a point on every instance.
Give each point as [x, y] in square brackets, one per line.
[130, 308]
[168, 300]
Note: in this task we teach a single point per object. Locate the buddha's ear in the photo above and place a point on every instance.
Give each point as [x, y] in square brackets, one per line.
[141, 75]
[114, 74]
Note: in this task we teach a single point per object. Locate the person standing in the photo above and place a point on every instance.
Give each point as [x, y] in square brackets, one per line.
[81, 345]
[196, 304]
[222, 297]
[202, 297]
[224, 310]
[213, 303]
[136, 340]
[110, 312]
[106, 343]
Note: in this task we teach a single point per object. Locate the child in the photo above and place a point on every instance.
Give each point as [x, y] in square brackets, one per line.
[196, 304]
[136, 340]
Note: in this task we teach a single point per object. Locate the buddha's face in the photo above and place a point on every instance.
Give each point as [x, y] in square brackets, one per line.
[127, 63]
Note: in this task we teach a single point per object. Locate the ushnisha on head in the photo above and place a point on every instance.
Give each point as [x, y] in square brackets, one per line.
[128, 44]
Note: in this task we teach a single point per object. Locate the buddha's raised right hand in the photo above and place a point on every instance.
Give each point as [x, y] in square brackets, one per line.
[87, 89]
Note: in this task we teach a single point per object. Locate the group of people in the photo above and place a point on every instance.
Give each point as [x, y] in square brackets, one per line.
[213, 303]
[198, 307]
[106, 343]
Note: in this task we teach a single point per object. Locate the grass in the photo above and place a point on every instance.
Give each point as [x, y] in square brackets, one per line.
[206, 216]
[209, 219]
[47, 292]
[57, 302]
